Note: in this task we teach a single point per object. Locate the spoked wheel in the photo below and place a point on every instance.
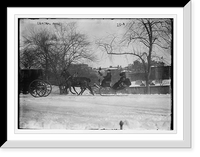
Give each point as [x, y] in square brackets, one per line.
[48, 88]
[37, 88]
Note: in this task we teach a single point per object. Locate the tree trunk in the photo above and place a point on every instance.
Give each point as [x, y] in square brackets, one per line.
[46, 64]
[147, 85]
[46, 71]
[149, 67]
[63, 90]
[62, 85]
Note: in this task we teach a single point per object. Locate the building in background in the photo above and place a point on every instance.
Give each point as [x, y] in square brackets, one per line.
[160, 73]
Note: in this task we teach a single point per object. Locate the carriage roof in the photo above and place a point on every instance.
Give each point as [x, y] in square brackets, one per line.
[31, 73]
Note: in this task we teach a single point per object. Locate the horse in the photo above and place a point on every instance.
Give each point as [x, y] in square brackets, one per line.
[82, 82]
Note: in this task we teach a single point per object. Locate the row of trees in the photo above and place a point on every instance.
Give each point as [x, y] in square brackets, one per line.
[58, 46]
[54, 49]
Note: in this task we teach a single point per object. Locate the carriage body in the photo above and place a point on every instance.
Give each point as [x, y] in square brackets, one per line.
[32, 81]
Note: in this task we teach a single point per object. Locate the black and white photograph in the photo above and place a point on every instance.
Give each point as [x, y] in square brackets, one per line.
[95, 74]
[118, 78]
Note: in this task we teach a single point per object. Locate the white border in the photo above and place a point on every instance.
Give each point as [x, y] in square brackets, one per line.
[180, 139]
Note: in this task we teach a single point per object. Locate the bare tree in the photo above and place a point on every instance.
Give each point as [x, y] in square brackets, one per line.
[71, 47]
[55, 48]
[39, 41]
[28, 59]
[145, 35]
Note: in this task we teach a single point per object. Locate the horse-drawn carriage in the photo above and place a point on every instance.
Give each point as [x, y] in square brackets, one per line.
[121, 87]
[31, 81]
[103, 88]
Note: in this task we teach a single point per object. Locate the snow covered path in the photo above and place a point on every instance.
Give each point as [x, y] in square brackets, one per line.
[138, 112]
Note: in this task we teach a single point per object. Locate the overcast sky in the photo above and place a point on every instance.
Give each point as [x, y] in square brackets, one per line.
[96, 29]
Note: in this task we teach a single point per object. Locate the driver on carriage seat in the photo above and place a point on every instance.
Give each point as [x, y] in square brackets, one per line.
[122, 79]
[106, 79]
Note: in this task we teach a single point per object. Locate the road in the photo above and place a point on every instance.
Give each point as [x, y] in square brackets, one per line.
[137, 112]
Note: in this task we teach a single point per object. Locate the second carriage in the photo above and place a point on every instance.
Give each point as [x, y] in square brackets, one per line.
[32, 81]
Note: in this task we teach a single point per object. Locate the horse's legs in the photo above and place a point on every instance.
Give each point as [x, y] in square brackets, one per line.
[70, 89]
[80, 93]
[75, 90]
[83, 87]
[90, 89]
[82, 90]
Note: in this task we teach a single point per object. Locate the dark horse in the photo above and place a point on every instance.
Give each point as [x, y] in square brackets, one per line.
[82, 82]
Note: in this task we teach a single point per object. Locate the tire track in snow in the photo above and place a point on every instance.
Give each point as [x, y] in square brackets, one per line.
[143, 110]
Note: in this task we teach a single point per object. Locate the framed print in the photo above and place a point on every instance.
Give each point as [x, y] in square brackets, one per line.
[99, 77]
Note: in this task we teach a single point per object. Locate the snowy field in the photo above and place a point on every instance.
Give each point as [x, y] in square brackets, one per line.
[87, 112]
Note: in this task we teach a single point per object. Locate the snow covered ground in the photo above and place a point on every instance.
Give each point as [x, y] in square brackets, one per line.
[87, 112]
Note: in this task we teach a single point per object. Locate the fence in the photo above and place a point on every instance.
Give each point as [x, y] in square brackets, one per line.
[153, 90]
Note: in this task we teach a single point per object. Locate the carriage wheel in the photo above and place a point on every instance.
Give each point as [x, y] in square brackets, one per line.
[37, 88]
[41, 88]
[48, 88]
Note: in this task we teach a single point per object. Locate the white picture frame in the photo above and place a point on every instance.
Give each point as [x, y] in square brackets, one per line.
[181, 138]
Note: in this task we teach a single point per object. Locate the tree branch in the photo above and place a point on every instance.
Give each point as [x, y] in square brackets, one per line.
[163, 47]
